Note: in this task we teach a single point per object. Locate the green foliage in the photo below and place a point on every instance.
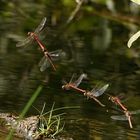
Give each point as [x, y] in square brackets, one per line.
[50, 124]
[26, 108]
[30, 102]
[50, 127]
[136, 1]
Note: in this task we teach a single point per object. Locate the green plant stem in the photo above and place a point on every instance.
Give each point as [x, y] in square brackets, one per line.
[26, 108]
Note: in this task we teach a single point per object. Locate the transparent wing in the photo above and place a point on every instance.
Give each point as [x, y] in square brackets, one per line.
[55, 55]
[29, 39]
[135, 112]
[119, 117]
[24, 42]
[82, 76]
[44, 63]
[41, 25]
[71, 80]
[123, 117]
[100, 91]
[64, 82]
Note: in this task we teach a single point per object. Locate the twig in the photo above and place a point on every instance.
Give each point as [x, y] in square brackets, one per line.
[75, 11]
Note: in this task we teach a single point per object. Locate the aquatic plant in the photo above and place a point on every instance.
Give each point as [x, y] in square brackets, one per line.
[23, 113]
[51, 126]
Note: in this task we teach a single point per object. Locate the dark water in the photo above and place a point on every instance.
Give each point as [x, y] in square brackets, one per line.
[93, 45]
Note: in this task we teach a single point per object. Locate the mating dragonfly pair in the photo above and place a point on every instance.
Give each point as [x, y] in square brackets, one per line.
[93, 94]
[127, 115]
[49, 57]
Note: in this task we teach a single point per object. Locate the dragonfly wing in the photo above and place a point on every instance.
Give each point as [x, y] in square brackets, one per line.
[55, 55]
[41, 25]
[37, 30]
[82, 76]
[71, 80]
[135, 112]
[24, 42]
[100, 91]
[44, 63]
[121, 117]
[64, 82]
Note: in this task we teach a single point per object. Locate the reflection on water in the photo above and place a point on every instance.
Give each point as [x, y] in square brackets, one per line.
[97, 50]
[100, 126]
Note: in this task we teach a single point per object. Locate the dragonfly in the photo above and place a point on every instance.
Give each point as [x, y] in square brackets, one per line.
[127, 116]
[117, 101]
[48, 56]
[94, 93]
[74, 84]
[34, 35]
[30, 38]
[48, 59]
[43, 64]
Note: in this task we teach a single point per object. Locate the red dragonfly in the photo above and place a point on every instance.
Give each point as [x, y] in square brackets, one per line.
[47, 55]
[127, 116]
[74, 84]
[30, 38]
[48, 58]
[117, 101]
[94, 93]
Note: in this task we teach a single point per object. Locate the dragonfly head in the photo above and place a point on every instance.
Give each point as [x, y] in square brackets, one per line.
[111, 98]
[64, 84]
[31, 34]
[63, 87]
[66, 87]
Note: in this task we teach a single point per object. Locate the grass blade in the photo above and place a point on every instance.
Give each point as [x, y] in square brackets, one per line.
[26, 108]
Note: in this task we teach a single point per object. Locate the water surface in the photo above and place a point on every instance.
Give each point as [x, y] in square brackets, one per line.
[93, 45]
